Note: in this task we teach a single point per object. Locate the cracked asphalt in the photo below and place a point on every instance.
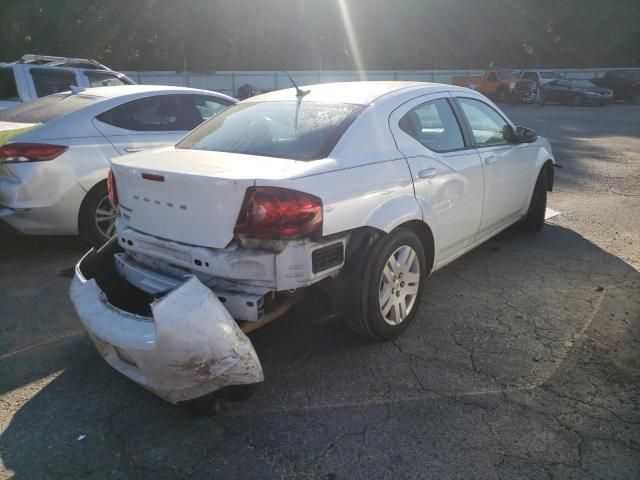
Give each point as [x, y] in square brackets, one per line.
[524, 360]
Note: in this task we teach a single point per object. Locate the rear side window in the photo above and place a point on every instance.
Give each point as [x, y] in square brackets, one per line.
[8, 88]
[530, 75]
[297, 130]
[48, 108]
[161, 113]
[487, 125]
[105, 79]
[434, 125]
[48, 81]
[207, 106]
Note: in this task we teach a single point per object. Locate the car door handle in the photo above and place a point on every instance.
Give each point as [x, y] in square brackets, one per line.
[490, 160]
[133, 150]
[428, 173]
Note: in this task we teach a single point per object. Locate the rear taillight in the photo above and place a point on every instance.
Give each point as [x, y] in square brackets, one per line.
[30, 152]
[279, 213]
[112, 189]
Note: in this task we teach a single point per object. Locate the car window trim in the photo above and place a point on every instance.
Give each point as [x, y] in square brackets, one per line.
[476, 145]
[468, 145]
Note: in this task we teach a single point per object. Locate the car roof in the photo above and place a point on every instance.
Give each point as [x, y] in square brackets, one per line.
[121, 90]
[358, 93]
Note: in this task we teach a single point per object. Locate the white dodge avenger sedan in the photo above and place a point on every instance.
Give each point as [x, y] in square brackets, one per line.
[359, 189]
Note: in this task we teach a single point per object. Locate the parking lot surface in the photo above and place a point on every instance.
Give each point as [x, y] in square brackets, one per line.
[522, 363]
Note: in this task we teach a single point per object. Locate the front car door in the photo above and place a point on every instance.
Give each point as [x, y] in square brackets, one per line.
[508, 167]
[446, 170]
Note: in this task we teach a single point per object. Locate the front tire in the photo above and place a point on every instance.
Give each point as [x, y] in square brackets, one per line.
[538, 205]
[576, 101]
[97, 216]
[391, 286]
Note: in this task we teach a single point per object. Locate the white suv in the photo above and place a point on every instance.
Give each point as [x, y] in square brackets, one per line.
[35, 76]
[363, 188]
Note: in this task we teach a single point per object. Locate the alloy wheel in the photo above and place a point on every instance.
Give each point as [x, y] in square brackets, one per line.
[105, 217]
[399, 285]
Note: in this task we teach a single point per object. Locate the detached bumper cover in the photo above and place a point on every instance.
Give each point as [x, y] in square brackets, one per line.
[189, 348]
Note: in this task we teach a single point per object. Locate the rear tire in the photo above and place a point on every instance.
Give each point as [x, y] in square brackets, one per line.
[97, 216]
[635, 99]
[391, 286]
[534, 220]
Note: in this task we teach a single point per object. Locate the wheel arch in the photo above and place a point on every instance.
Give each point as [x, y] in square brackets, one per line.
[83, 204]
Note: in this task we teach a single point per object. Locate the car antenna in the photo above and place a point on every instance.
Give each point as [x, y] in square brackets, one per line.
[299, 92]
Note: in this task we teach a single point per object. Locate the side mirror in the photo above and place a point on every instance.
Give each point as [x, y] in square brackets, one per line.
[525, 135]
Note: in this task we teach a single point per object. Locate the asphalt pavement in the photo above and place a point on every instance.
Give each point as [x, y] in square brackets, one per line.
[523, 361]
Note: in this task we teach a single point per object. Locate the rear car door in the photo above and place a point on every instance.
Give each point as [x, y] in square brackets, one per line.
[149, 122]
[509, 168]
[446, 169]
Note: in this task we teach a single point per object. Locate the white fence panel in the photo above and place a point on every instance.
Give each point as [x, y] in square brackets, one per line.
[228, 82]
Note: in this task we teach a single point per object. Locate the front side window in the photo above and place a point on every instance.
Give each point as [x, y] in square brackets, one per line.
[8, 88]
[530, 76]
[48, 81]
[207, 106]
[105, 79]
[290, 129]
[487, 125]
[161, 113]
[434, 125]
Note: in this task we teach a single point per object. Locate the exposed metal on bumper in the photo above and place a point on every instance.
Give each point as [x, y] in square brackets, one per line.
[190, 347]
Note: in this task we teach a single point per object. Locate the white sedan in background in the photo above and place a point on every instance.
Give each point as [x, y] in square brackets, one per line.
[357, 188]
[55, 151]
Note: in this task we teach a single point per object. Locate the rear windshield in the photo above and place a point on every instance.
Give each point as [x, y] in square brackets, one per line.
[297, 130]
[47, 108]
[8, 89]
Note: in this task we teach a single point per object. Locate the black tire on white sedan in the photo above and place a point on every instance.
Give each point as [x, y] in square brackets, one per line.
[97, 216]
[391, 286]
[538, 205]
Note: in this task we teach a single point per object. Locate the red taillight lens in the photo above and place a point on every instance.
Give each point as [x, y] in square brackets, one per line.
[279, 213]
[30, 152]
[112, 189]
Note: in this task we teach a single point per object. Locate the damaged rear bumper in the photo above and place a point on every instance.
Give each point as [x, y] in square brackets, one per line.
[186, 345]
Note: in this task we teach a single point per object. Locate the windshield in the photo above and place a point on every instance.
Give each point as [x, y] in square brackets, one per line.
[504, 74]
[47, 108]
[582, 83]
[550, 75]
[296, 130]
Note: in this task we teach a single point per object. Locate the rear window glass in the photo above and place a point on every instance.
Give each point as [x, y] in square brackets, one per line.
[296, 130]
[47, 108]
[8, 89]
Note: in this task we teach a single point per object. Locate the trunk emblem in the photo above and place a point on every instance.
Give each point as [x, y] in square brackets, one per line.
[153, 177]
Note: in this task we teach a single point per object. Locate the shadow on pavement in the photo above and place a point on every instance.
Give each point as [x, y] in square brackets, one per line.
[522, 362]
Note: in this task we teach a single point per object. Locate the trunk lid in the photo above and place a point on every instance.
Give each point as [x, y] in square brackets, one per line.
[190, 196]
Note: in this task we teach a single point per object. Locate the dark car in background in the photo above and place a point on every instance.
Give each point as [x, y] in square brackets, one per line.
[575, 92]
[624, 83]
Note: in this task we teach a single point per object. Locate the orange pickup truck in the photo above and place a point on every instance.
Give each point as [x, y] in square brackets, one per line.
[501, 85]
